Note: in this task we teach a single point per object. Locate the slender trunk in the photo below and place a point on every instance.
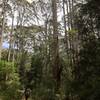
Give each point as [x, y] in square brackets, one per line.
[2, 27]
[10, 43]
[55, 49]
[64, 15]
[70, 13]
[65, 28]
[67, 10]
[13, 59]
[46, 48]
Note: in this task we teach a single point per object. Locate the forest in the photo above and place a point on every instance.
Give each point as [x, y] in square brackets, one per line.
[49, 49]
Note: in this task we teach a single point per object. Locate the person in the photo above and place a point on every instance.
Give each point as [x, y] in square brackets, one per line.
[27, 93]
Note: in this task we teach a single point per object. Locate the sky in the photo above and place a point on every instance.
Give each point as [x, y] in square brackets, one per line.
[5, 44]
[30, 1]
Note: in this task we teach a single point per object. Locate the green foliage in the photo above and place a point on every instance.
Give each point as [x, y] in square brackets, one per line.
[36, 70]
[4, 54]
[42, 88]
[72, 32]
[87, 71]
[9, 81]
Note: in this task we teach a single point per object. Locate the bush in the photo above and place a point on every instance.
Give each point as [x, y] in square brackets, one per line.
[9, 81]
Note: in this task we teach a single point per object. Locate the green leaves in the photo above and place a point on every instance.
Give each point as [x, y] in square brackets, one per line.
[88, 70]
[9, 81]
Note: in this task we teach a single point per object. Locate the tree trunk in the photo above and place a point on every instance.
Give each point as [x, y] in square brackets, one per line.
[11, 41]
[3, 25]
[55, 49]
